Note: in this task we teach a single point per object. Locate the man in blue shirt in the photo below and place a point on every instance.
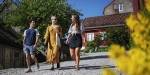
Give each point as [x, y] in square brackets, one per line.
[30, 40]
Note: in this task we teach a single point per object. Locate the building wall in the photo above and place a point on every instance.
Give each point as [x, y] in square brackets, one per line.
[105, 41]
[113, 7]
[94, 32]
[138, 5]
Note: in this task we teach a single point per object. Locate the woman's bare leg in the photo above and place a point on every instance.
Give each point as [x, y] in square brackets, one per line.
[77, 54]
[72, 54]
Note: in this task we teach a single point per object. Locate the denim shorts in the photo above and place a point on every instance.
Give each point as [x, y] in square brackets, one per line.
[28, 49]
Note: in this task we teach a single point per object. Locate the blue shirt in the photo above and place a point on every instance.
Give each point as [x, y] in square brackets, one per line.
[30, 36]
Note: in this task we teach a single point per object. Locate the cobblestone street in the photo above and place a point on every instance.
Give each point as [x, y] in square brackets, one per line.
[90, 64]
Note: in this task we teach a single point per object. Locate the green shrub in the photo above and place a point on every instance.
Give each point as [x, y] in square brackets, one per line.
[92, 46]
[102, 49]
[1, 67]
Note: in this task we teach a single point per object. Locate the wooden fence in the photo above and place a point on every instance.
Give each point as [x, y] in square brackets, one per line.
[11, 57]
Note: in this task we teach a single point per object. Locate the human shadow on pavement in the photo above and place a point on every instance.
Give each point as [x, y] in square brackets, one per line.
[61, 68]
[96, 67]
[82, 67]
[67, 67]
[94, 57]
[87, 67]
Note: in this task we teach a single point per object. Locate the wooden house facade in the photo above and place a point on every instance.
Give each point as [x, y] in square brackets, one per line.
[11, 53]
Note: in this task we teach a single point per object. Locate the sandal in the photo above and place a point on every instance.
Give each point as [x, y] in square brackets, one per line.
[77, 67]
[29, 70]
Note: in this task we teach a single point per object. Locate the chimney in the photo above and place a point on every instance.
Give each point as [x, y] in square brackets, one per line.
[137, 5]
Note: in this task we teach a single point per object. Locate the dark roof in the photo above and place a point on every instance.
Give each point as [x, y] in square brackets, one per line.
[8, 37]
[105, 20]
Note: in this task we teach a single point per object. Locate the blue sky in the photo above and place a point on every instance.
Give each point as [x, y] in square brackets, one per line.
[1, 1]
[89, 8]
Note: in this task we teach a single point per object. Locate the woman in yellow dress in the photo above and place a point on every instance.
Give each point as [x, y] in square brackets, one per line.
[52, 38]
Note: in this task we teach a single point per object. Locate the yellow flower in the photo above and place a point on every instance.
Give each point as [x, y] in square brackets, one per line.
[136, 61]
[136, 54]
[131, 22]
[147, 4]
[116, 51]
[107, 72]
[122, 63]
[135, 69]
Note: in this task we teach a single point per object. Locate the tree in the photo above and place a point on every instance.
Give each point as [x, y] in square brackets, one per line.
[6, 5]
[119, 35]
[41, 10]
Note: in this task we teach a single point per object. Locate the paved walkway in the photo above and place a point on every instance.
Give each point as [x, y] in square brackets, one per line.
[90, 64]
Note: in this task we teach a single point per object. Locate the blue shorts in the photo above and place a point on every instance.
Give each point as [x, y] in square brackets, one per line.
[28, 49]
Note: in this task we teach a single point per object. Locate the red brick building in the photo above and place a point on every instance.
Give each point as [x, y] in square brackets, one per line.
[115, 14]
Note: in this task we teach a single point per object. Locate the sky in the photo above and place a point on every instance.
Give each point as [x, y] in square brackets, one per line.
[1, 1]
[89, 8]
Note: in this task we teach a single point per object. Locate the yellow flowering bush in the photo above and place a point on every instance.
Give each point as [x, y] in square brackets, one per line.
[107, 72]
[135, 61]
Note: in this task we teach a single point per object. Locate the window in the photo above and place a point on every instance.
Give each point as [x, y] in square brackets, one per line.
[103, 35]
[115, 6]
[90, 36]
[120, 6]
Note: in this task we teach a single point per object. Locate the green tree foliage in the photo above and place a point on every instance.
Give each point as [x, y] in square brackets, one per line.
[41, 10]
[119, 35]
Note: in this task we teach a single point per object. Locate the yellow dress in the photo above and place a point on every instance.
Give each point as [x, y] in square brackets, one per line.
[53, 51]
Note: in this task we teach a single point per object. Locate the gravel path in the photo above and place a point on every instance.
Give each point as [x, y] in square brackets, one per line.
[90, 64]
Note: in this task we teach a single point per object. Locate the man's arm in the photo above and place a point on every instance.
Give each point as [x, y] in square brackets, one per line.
[24, 35]
[37, 38]
[23, 40]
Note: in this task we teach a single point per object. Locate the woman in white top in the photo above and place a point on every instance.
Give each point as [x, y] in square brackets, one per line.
[75, 39]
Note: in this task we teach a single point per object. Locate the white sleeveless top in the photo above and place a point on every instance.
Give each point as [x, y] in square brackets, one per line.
[73, 29]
